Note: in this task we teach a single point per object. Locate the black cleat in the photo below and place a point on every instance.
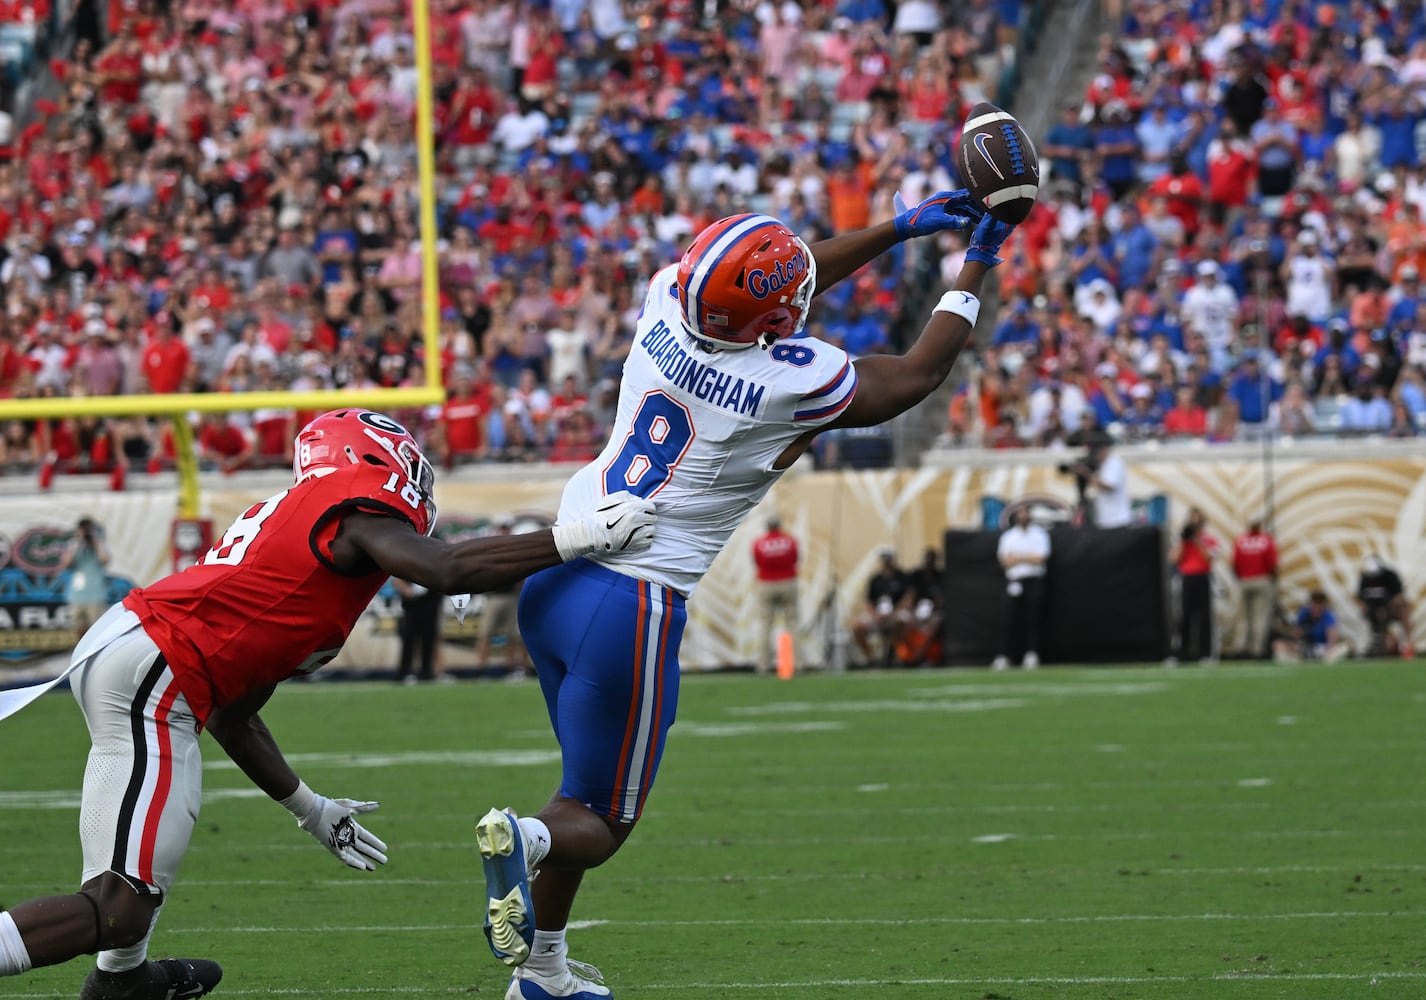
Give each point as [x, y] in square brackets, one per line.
[169, 979]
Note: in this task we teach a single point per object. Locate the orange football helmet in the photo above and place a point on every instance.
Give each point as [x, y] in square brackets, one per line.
[745, 280]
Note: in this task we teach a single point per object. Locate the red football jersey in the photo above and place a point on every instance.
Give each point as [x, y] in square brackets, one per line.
[266, 602]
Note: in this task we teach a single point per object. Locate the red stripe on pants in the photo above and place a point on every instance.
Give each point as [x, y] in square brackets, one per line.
[161, 784]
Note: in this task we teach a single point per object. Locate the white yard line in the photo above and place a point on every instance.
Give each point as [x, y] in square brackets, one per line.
[812, 984]
[291, 844]
[473, 876]
[1102, 918]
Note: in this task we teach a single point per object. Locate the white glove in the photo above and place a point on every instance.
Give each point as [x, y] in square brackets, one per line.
[621, 522]
[330, 823]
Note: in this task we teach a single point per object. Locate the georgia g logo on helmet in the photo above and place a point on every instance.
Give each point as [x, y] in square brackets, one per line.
[745, 280]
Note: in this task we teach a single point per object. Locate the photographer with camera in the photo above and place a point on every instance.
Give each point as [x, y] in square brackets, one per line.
[1102, 482]
[1192, 558]
[87, 592]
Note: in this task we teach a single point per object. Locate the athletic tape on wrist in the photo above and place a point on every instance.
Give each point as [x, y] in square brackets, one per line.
[959, 303]
[574, 540]
[301, 801]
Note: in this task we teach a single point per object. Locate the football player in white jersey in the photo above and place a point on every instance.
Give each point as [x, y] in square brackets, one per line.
[719, 397]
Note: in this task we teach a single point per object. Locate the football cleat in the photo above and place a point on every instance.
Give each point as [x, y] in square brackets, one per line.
[170, 979]
[578, 981]
[509, 913]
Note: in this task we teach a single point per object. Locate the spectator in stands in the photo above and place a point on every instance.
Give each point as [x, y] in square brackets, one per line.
[1382, 600]
[1187, 418]
[1117, 145]
[1210, 307]
[224, 445]
[289, 262]
[1255, 566]
[1252, 392]
[1143, 421]
[1016, 328]
[884, 613]
[1403, 422]
[166, 358]
[1275, 141]
[1192, 556]
[1067, 146]
[1313, 635]
[1292, 415]
[1310, 279]
[1158, 137]
[1368, 411]
[1024, 554]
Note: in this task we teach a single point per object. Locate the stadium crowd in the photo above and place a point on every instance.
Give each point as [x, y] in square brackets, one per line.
[1230, 239]
[222, 197]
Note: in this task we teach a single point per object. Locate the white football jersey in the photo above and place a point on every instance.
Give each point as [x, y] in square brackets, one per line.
[698, 432]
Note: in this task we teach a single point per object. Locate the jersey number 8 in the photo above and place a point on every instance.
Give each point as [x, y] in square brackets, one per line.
[659, 437]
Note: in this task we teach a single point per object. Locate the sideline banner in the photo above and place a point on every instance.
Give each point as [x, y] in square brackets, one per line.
[1330, 513]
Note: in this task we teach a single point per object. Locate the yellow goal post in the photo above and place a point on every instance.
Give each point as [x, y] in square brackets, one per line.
[180, 405]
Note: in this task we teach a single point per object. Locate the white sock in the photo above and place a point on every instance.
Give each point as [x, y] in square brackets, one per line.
[537, 840]
[125, 959]
[549, 955]
[14, 957]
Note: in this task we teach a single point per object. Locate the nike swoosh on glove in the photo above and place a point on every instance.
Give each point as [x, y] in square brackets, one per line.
[943, 210]
[621, 523]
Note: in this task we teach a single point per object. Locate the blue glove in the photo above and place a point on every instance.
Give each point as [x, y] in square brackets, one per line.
[990, 233]
[943, 210]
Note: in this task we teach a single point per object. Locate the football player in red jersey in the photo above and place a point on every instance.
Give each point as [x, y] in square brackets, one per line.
[276, 596]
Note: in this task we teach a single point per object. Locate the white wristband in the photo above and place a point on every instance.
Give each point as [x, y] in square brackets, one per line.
[573, 540]
[959, 303]
[300, 802]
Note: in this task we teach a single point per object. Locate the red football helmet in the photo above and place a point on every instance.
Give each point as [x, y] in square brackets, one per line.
[746, 280]
[339, 439]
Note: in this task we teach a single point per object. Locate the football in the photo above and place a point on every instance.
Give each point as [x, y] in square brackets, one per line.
[998, 163]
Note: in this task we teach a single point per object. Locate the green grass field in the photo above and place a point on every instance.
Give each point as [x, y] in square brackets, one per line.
[1230, 833]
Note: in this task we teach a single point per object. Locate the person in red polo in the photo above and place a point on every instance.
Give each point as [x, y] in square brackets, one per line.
[464, 415]
[225, 445]
[1255, 566]
[1192, 556]
[165, 358]
[775, 556]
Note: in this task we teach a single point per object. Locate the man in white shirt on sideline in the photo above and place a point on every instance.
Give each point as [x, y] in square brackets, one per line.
[1111, 487]
[1024, 552]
